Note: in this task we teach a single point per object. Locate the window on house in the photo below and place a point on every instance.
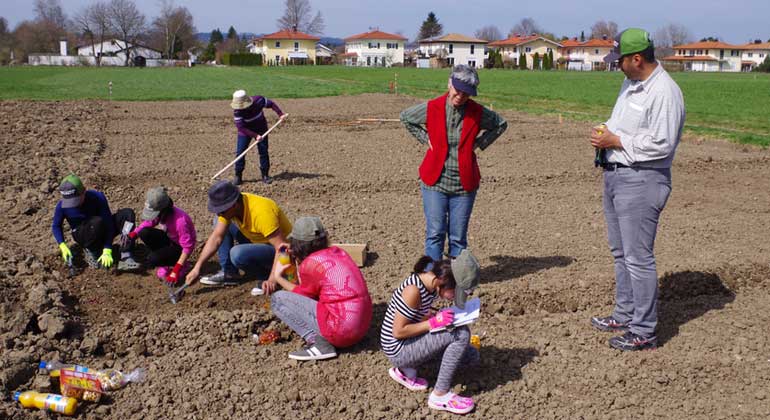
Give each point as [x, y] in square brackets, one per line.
[515, 50]
[761, 55]
[473, 48]
[451, 48]
[368, 61]
[471, 63]
[547, 50]
[528, 49]
[751, 55]
[378, 45]
[277, 44]
[596, 51]
[277, 59]
[296, 46]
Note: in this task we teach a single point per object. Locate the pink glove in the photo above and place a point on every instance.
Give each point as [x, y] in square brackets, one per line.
[441, 319]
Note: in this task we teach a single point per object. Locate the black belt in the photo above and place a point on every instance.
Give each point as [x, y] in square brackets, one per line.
[610, 166]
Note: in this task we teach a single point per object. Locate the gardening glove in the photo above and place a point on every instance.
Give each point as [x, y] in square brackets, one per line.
[106, 259]
[441, 319]
[65, 251]
[174, 275]
[133, 235]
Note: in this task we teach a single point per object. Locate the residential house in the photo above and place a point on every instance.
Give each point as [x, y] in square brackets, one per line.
[117, 48]
[374, 49]
[286, 47]
[454, 49]
[754, 54]
[324, 54]
[512, 47]
[111, 52]
[586, 55]
[707, 56]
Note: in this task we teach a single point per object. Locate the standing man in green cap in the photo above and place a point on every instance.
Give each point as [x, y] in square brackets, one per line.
[636, 148]
[92, 224]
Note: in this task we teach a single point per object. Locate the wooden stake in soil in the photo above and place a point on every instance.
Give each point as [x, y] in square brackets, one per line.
[250, 147]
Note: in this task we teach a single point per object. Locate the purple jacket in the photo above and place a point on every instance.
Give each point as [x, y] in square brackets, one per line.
[251, 121]
[178, 226]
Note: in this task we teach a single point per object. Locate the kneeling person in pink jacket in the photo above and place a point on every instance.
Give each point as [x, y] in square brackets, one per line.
[169, 233]
[331, 306]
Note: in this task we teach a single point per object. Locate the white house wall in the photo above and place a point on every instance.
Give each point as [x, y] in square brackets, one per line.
[383, 55]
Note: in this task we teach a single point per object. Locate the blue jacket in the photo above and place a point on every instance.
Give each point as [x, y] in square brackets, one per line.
[95, 204]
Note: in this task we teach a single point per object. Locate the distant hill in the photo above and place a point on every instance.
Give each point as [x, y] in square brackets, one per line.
[332, 42]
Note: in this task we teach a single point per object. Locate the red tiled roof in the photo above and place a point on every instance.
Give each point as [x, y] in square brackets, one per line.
[569, 43]
[762, 46]
[291, 35]
[689, 58]
[375, 35]
[707, 45]
[454, 38]
[600, 43]
[518, 40]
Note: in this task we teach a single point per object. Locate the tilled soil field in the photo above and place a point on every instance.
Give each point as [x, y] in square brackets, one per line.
[537, 228]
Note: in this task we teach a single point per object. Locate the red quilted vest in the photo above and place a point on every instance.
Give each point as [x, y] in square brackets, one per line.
[433, 163]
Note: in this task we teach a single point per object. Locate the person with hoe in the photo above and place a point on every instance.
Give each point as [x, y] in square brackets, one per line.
[331, 306]
[256, 223]
[250, 121]
[169, 233]
[406, 336]
[93, 226]
[454, 127]
[636, 147]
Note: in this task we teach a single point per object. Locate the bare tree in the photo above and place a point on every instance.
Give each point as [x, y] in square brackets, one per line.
[669, 36]
[51, 22]
[526, 26]
[603, 28]
[297, 17]
[488, 33]
[127, 22]
[93, 23]
[174, 26]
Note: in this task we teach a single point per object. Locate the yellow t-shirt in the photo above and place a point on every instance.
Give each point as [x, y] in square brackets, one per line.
[261, 218]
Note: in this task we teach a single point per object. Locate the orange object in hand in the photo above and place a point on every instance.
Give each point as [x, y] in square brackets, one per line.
[269, 337]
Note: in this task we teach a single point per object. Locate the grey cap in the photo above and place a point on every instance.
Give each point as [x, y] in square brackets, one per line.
[222, 196]
[307, 228]
[157, 200]
[465, 269]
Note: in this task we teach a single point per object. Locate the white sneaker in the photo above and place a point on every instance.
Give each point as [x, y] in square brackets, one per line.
[222, 279]
[257, 291]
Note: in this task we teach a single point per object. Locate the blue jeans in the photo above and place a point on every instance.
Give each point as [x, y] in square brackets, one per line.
[255, 259]
[446, 212]
[633, 199]
[264, 157]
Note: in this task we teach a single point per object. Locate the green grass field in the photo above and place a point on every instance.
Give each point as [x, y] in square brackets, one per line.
[726, 105]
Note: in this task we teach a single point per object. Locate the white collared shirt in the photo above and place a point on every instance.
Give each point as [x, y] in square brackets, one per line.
[648, 117]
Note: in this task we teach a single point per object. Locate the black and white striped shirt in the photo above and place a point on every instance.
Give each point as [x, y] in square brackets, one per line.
[391, 345]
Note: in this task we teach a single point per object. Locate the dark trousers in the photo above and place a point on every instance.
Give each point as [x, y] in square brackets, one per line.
[163, 251]
[264, 156]
[92, 233]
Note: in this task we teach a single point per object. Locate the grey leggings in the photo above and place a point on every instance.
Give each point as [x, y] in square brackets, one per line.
[454, 345]
[298, 312]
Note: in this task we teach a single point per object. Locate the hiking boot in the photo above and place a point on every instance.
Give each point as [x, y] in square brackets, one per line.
[608, 324]
[630, 342]
[129, 264]
[222, 279]
[319, 350]
[267, 180]
[238, 180]
[91, 258]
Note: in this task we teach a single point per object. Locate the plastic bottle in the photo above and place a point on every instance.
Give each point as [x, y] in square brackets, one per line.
[51, 402]
[285, 258]
[476, 342]
[53, 367]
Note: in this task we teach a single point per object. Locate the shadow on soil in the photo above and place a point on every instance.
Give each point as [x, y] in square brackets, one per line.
[687, 295]
[287, 175]
[507, 267]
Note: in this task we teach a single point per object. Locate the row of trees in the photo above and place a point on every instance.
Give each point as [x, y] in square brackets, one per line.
[172, 31]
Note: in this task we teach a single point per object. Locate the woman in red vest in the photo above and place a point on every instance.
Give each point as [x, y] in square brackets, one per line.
[452, 126]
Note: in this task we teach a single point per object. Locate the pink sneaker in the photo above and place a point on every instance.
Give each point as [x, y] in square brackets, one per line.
[412, 384]
[451, 402]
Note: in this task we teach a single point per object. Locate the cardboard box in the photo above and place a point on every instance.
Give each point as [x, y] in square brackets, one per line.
[356, 251]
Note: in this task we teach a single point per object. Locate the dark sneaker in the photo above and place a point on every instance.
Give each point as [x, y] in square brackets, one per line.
[609, 324]
[91, 258]
[319, 350]
[238, 180]
[222, 279]
[129, 264]
[630, 342]
[267, 180]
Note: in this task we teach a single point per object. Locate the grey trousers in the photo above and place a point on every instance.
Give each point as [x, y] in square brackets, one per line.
[298, 312]
[452, 346]
[633, 200]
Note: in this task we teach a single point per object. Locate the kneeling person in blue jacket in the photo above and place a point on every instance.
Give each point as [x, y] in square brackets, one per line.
[92, 224]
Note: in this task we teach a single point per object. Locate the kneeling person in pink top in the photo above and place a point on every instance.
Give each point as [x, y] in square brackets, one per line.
[331, 306]
[169, 234]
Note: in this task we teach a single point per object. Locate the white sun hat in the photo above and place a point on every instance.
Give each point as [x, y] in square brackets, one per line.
[240, 100]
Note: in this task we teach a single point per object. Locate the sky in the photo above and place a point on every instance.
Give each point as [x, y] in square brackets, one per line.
[736, 21]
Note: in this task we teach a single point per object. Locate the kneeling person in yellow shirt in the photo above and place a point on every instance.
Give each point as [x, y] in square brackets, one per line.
[248, 230]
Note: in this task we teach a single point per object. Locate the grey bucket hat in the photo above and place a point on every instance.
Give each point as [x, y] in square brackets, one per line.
[465, 269]
[157, 200]
[222, 196]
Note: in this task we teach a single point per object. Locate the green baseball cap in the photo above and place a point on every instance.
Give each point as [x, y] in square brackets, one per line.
[630, 41]
[70, 188]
